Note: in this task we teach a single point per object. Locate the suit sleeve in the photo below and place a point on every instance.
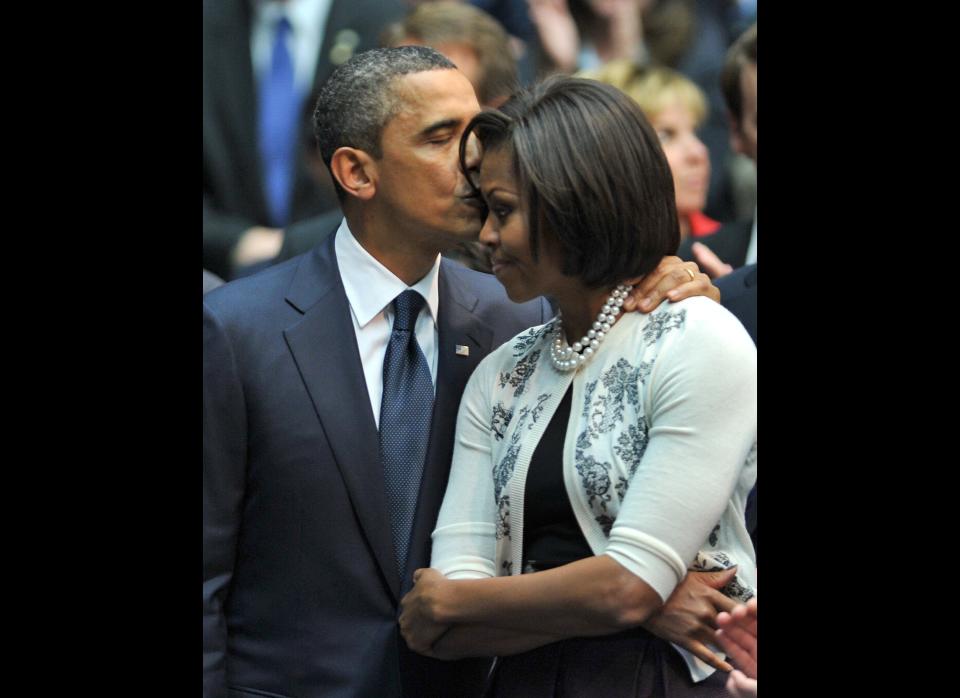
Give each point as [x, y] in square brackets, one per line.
[224, 467]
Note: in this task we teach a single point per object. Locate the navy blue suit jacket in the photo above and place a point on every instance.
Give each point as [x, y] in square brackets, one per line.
[300, 587]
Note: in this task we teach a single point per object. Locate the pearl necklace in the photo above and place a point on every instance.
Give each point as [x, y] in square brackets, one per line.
[566, 358]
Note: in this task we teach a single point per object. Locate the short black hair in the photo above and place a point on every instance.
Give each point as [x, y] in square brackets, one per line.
[592, 173]
[357, 100]
[742, 52]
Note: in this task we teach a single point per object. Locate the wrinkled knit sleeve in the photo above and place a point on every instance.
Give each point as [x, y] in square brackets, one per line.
[464, 540]
[701, 407]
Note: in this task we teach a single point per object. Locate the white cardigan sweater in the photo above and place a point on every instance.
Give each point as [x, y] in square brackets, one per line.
[659, 456]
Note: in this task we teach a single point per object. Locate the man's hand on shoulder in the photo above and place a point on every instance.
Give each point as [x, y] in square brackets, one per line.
[673, 279]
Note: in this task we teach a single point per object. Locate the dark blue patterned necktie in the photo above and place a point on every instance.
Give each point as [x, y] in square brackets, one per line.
[405, 417]
[279, 107]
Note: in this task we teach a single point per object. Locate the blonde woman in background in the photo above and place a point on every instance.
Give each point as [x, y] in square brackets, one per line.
[676, 108]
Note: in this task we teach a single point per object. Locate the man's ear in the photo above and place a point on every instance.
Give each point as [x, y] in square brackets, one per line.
[355, 171]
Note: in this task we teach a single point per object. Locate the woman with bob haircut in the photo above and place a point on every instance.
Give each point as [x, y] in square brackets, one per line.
[599, 456]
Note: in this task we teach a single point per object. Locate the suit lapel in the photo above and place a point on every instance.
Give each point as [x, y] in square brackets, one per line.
[457, 326]
[324, 346]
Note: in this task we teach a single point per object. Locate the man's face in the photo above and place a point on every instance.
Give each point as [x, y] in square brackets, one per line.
[420, 187]
[745, 137]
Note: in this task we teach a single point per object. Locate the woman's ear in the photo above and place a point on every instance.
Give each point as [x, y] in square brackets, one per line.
[355, 171]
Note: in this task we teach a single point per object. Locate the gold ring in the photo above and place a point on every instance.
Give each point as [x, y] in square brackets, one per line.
[692, 277]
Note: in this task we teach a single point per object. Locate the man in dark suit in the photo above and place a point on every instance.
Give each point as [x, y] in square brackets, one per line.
[238, 226]
[302, 572]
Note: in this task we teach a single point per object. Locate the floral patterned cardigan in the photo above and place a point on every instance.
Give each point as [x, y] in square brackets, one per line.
[659, 455]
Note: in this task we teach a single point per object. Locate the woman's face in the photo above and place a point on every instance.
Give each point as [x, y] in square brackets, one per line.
[687, 155]
[506, 235]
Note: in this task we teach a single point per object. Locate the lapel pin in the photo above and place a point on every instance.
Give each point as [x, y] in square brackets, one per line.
[463, 350]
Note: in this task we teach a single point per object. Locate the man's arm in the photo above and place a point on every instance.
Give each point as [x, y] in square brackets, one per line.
[224, 448]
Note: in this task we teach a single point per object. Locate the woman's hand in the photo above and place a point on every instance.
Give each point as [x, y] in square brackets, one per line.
[673, 279]
[419, 609]
[689, 617]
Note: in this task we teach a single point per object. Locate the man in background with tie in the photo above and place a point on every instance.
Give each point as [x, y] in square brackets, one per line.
[263, 61]
[331, 388]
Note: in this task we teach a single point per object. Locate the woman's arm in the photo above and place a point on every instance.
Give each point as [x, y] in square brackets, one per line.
[432, 628]
[594, 596]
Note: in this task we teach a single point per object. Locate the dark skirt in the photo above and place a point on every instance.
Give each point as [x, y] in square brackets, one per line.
[634, 663]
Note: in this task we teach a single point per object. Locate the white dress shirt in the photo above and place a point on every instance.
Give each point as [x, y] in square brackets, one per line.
[370, 289]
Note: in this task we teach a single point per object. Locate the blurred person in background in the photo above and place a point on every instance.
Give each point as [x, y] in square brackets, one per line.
[262, 62]
[735, 244]
[476, 42]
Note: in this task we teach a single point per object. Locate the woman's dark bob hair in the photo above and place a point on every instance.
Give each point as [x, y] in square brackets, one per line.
[592, 173]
